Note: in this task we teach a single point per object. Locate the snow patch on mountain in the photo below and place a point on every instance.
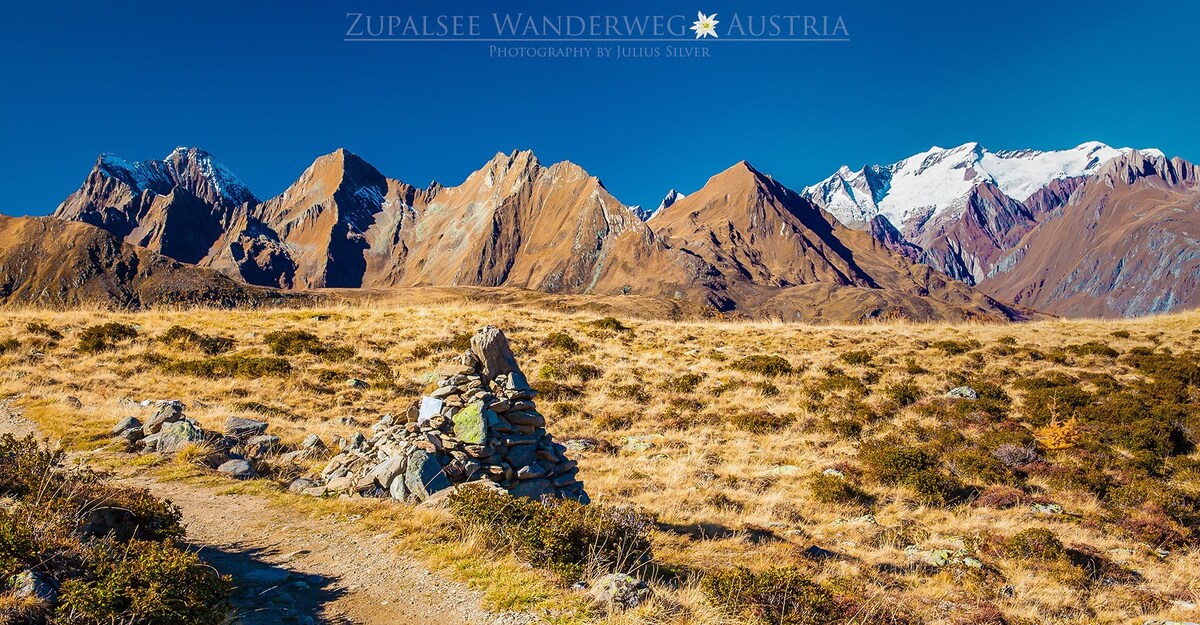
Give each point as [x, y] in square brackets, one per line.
[671, 197]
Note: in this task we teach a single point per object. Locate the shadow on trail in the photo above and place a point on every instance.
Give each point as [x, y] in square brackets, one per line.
[266, 593]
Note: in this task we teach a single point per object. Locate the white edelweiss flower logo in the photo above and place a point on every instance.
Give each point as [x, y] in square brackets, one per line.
[706, 25]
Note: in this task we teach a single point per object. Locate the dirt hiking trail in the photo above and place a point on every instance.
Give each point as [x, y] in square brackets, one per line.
[290, 568]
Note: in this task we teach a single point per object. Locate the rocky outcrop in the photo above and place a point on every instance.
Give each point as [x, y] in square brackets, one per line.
[477, 423]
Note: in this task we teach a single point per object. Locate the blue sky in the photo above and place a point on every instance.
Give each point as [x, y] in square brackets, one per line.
[269, 86]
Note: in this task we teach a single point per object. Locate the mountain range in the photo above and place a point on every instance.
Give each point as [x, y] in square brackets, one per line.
[945, 234]
[1089, 231]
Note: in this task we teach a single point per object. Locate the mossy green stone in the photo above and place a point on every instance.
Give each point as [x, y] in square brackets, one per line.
[470, 424]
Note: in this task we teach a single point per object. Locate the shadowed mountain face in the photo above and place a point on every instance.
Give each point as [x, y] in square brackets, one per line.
[1125, 243]
[739, 242]
[51, 262]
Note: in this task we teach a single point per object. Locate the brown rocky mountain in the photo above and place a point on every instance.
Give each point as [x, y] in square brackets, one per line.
[1125, 243]
[49, 261]
[178, 206]
[740, 242]
[778, 252]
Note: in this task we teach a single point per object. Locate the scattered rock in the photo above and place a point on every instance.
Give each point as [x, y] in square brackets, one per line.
[176, 435]
[169, 412]
[640, 443]
[1046, 508]
[441, 499]
[582, 444]
[267, 576]
[620, 591]
[963, 392]
[30, 584]
[128, 423]
[243, 428]
[239, 469]
[357, 383]
[818, 553]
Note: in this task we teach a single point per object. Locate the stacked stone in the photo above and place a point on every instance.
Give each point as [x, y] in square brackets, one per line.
[478, 423]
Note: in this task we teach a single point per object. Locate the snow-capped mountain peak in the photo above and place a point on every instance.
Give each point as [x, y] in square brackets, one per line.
[937, 182]
[191, 168]
[670, 198]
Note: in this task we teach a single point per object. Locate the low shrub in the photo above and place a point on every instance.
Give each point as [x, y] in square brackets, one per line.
[759, 421]
[612, 324]
[765, 388]
[779, 596]
[99, 338]
[180, 336]
[955, 348]
[981, 467]
[1093, 348]
[569, 539]
[555, 391]
[933, 488]
[459, 342]
[633, 392]
[1035, 543]
[109, 547]
[143, 583]
[43, 329]
[760, 364]
[585, 372]
[292, 342]
[891, 463]
[835, 490]
[233, 366]
[266, 410]
[1000, 498]
[903, 393]
[683, 383]
[561, 340]
[9, 345]
[836, 383]
[856, 357]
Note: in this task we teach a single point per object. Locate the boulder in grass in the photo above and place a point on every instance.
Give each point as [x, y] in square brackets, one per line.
[30, 584]
[239, 469]
[169, 412]
[128, 423]
[176, 435]
[241, 427]
[963, 392]
[618, 591]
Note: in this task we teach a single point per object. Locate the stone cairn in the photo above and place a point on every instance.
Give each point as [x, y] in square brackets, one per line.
[478, 425]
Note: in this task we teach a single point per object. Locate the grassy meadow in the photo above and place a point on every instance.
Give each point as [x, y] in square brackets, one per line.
[828, 457]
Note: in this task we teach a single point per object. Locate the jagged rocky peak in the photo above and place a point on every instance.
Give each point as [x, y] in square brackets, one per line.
[1142, 164]
[189, 168]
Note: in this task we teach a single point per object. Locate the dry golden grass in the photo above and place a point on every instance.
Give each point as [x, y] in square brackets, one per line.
[727, 487]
